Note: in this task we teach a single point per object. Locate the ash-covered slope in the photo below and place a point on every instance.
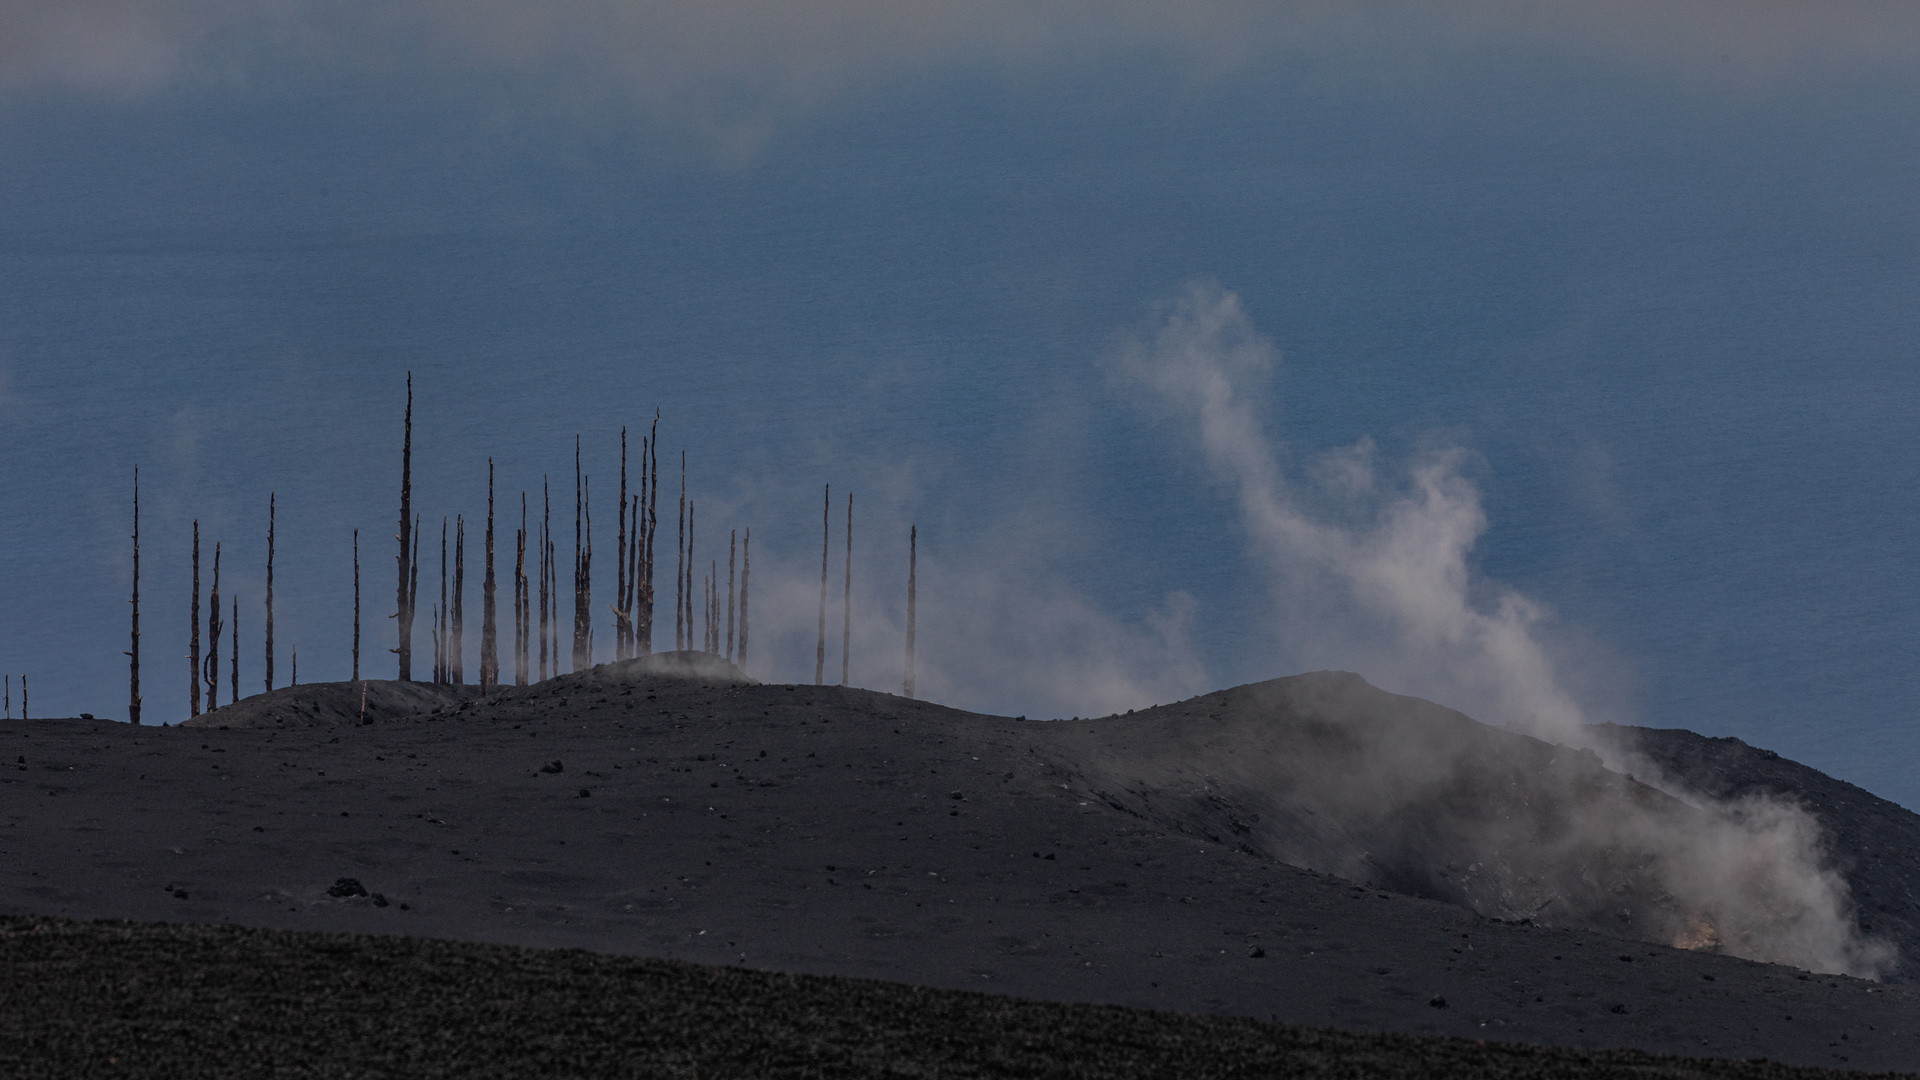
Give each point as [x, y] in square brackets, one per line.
[1329, 773]
[840, 831]
[1874, 844]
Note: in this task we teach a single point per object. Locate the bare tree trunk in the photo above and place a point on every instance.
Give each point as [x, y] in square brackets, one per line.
[295, 681]
[620, 554]
[270, 517]
[520, 597]
[913, 569]
[212, 671]
[489, 638]
[133, 651]
[193, 646]
[653, 523]
[553, 568]
[441, 667]
[732, 536]
[680, 562]
[546, 545]
[580, 618]
[356, 606]
[413, 580]
[689, 573]
[457, 645]
[409, 574]
[23, 698]
[746, 567]
[233, 649]
[826, 539]
[846, 602]
[583, 573]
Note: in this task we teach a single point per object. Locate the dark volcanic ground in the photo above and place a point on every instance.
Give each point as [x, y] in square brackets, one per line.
[831, 831]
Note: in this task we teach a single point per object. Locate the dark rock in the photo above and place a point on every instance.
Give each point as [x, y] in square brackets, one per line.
[346, 887]
[1257, 952]
[585, 794]
[1437, 1001]
[553, 767]
[379, 900]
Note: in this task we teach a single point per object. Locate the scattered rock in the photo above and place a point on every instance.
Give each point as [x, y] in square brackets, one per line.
[1437, 1001]
[585, 794]
[346, 887]
[553, 767]
[379, 900]
[1257, 953]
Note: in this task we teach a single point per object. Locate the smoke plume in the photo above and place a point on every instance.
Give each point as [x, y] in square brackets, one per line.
[1372, 570]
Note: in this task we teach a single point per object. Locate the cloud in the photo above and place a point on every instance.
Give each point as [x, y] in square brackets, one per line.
[737, 68]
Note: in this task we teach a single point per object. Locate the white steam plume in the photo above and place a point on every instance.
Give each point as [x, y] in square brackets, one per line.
[1374, 575]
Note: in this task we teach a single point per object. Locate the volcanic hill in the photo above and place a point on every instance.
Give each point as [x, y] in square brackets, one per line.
[672, 808]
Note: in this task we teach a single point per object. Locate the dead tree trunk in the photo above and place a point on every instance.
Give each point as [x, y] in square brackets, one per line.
[826, 540]
[270, 517]
[913, 569]
[212, 671]
[846, 601]
[746, 567]
[133, 650]
[356, 605]
[193, 641]
[580, 611]
[457, 645]
[409, 573]
[413, 579]
[653, 523]
[489, 641]
[233, 649]
[689, 589]
[732, 536]
[295, 681]
[680, 562]
[546, 545]
[620, 553]
[441, 667]
[520, 597]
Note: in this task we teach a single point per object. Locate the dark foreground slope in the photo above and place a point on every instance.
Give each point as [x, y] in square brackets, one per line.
[141, 1000]
[831, 831]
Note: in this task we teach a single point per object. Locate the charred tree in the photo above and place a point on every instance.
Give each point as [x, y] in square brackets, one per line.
[409, 572]
[413, 578]
[295, 681]
[746, 567]
[546, 545]
[680, 562]
[620, 554]
[133, 649]
[846, 601]
[270, 517]
[356, 605]
[233, 648]
[653, 524]
[581, 610]
[457, 644]
[732, 536]
[193, 640]
[826, 541]
[913, 569]
[489, 643]
[211, 673]
[689, 589]
[520, 597]
[437, 618]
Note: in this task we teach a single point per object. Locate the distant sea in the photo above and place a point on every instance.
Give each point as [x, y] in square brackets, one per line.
[1675, 325]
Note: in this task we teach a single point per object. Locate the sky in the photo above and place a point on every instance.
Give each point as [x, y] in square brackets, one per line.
[1568, 347]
